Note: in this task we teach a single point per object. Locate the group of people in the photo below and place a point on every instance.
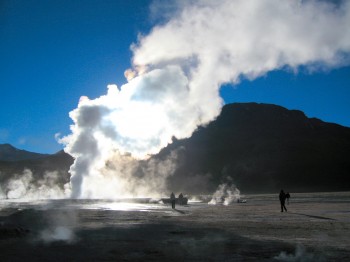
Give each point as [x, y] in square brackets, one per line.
[283, 197]
[173, 199]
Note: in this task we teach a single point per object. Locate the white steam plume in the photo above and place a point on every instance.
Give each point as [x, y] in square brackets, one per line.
[226, 194]
[180, 66]
[25, 187]
[60, 226]
[300, 255]
[57, 234]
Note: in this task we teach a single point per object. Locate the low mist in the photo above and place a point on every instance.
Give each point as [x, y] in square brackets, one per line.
[25, 187]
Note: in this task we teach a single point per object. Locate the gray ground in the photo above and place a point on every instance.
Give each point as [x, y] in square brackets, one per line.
[315, 228]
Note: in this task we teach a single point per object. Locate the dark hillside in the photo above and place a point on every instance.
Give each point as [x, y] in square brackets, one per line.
[59, 162]
[264, 148]
[10, 153]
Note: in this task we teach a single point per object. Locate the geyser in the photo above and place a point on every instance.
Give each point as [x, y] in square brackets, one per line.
[174, 84]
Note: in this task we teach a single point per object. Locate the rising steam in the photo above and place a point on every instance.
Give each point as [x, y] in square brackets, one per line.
[225, 194]
[300, 255]
[177, 72]
[25, 187]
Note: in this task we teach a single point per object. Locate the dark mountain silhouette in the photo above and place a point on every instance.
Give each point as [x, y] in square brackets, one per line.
[10, 153]
[262, 147]
[59, 162]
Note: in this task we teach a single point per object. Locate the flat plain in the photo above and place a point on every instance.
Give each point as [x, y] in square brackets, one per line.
[315, 228]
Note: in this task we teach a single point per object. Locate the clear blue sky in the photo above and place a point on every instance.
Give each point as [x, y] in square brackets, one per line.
[53, 52]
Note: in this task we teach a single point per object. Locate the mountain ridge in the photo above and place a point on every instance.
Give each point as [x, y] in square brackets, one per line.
[264, 148]
[11, 153]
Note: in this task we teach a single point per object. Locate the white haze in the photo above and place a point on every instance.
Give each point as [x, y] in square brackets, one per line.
[23, 186]
[60, 226]
[225, 194]
[57, 234]
[177, 72]
[300, 255]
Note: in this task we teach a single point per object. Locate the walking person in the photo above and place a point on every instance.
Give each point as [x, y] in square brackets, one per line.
[172, 200]
[282, 198]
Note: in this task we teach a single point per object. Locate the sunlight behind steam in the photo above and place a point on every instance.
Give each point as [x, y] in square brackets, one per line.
[174, 84]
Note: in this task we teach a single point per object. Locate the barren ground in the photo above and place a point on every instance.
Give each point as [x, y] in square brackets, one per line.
[315, 228]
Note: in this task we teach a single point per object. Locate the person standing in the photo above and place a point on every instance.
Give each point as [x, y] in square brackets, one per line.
[181, 199]
[172, 200]
[282, 198]
[287, 197]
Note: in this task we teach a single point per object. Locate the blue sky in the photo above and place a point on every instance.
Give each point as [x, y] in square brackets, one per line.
[53, 52]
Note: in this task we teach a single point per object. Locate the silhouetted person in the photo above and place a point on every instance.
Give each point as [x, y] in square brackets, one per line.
[282, 197]
[172, 199]
[287, 197]
[181, 199]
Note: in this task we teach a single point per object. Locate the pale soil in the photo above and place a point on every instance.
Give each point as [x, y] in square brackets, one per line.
[315, 228]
